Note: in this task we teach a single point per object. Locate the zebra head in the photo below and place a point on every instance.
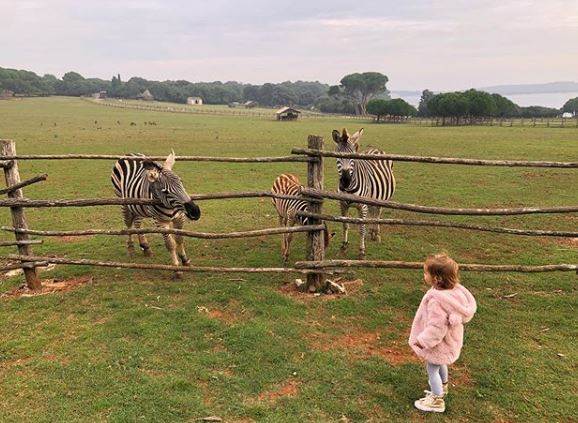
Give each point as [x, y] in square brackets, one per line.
[346, 166]
[166, 186]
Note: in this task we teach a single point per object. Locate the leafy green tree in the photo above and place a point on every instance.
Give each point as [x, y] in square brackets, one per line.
[426, 96]
[378, 108]
[505, 107]
[480, 104]
[362, 87]
[571, 106]
[396, 108]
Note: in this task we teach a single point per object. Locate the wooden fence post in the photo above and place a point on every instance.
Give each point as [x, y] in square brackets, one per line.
[18, 217]
[315, 240]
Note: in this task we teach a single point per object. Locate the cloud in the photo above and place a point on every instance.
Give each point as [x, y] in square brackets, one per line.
[420, 43]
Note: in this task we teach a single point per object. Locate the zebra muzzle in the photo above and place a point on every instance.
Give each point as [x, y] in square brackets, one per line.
[192, 211]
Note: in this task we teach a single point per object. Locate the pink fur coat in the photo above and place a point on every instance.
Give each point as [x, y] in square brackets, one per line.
[438, 326]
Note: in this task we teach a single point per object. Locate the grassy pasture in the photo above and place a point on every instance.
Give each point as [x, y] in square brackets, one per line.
[135, 345]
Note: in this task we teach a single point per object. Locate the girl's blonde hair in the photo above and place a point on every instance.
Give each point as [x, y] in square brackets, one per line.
[444, 271]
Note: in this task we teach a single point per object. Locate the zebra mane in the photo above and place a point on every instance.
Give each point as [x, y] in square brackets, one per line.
[145, 160]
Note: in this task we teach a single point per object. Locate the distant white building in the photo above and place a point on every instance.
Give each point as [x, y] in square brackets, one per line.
[567, 115]
[197, 101]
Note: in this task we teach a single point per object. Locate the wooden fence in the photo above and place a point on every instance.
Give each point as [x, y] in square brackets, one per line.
[315, 267]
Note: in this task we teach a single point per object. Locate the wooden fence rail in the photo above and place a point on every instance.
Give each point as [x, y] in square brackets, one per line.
[281, 159]
[436, 210]
[383, 264]
[89, 202]
[316, 266]
[430, 223]
[183, 232]
[123, 265]
[435, 160]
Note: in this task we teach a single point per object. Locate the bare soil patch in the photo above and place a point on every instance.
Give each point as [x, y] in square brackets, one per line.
[290, 388]
[49, 286]
[230, 314]
[363, 344]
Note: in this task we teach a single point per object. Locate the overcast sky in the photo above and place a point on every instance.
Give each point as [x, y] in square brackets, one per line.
[440, 45]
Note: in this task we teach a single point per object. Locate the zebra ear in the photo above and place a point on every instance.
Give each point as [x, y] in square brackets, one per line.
[336, 136]
[357, 136]
[170, 162]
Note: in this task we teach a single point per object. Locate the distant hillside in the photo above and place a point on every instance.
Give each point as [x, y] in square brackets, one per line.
[550, 87]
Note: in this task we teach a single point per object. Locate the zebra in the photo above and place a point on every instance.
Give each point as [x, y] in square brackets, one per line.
[366, 178]
[289, 185]
[150, 180]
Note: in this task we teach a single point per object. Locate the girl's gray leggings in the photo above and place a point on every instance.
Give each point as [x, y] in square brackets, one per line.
[438, 374]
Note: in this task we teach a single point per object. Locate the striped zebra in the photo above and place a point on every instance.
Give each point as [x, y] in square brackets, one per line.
[150, 180]
[367, 178]
[287, 209]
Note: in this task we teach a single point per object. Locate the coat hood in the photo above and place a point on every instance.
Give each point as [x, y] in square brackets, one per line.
[458, 302]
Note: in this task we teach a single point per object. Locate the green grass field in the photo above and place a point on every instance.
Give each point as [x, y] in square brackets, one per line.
[138, 346]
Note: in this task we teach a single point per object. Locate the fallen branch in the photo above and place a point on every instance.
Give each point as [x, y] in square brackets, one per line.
[436, 160]
[23, 184]
[434, 210]
[123, 265]
[382, 264]
[183, 232]
[407, 222]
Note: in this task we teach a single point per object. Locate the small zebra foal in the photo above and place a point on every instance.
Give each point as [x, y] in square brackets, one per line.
[288, 184]
[146, 179]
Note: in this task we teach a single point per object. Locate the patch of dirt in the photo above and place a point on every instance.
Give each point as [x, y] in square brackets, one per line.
[363, 344]
[288, 389]
[56, 359]
[290, 289]
[49, 286]
[568, 242]
[459, 375]
[67, 239]
[14, 362]
[230, 314]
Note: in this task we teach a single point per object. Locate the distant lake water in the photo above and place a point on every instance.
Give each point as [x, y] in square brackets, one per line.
[556, 100]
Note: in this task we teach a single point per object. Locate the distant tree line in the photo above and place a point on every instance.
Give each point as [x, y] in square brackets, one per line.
[351, 97]
[474, 106]
[300, 93]
[358, 93]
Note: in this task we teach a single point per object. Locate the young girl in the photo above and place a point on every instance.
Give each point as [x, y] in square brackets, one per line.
[437, 332]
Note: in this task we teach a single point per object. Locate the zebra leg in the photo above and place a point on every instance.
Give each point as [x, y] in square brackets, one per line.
[142, 239]
[377, 226]
[288, 238]
[129, 219]
[373, 233]
[284, 249]
[363, 210]
[344, 211]
[171, 247]
[180, 240]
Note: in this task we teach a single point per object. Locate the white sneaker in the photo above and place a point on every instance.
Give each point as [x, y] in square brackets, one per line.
[431, 403]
